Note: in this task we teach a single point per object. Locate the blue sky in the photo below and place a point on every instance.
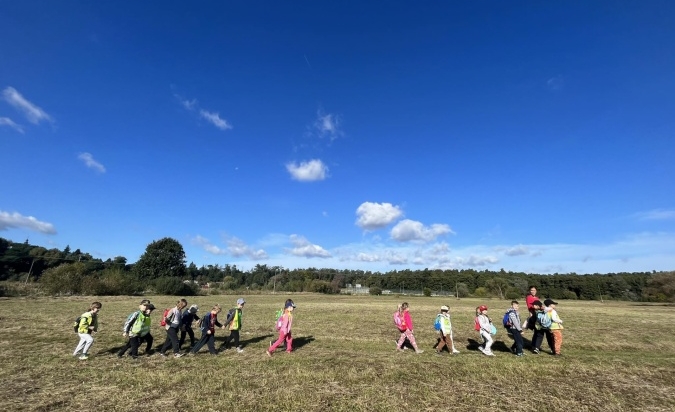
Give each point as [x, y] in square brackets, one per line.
[530, 136]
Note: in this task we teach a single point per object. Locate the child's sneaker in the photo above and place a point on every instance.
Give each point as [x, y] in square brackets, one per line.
[268, 353]
[488, 353]
[455, 351]
[84, 356]
[178, 355]
[520, 354]
[418, 351]
[480, 348]
[240, 350]
[535, 351]
[162, 354]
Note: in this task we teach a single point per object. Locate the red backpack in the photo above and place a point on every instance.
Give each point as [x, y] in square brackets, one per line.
[165, 316]
[476, 324]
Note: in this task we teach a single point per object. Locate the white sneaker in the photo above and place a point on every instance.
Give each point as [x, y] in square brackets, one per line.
[83, 357]
[454, 350]
[480, 348]
[240, 350]
[488, 353]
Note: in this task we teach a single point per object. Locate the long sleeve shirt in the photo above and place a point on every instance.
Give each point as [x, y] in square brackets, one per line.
[408, 320]
[484, 323]
[514, 318]
[175, 316]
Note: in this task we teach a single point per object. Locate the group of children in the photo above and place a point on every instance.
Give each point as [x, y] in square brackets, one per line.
[543, 319]
[137, 326]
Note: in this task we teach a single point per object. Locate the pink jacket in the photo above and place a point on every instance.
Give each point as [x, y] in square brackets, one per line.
[408, 320]
[286, 324]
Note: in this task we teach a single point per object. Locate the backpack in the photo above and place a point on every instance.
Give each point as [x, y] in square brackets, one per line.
[399, 321]
[76, 324]
[476, 324]
[165, 317]
[507, 319]
[544, 320]
[437, 323]
[279, 322]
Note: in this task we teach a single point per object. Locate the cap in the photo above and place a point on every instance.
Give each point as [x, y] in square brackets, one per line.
[193, 309]
[149, 306]
[240, 301]
[482, 308]
[145, 301]
[536, 303]
[289, 305]
[444, 308]
[549, 302]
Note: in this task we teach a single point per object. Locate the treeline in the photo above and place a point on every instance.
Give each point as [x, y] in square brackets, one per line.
[162, 269]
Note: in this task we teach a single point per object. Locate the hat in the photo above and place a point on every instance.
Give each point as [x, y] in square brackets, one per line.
[193, 309]
[482, 308]
[149, 306]
[549, 302]
[444, 308]
[240, 301]
[289, 305]
[536, 303]
[145, 301]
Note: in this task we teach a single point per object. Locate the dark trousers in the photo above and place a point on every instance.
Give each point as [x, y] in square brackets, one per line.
[234, 337]
[134, 343]
[171, 340]
[187, 331]
[538, 338]
[517, 340]
[208, 339]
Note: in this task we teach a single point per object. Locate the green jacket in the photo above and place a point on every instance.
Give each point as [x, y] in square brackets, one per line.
[86, 320]
[141, 326]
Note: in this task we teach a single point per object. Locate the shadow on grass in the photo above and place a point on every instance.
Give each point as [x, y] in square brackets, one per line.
[244, 342]
[302, 341]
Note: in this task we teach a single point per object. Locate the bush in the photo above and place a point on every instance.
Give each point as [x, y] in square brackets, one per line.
[512, 294]
[64, 279]
[374, 290]
[480, 292]
[173, 286]
[323, 286]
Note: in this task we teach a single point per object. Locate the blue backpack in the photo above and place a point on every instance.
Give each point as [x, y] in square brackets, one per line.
[544, 320]
[437, 323]
[506, 321]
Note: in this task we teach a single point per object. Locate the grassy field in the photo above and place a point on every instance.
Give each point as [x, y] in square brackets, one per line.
[616, 356]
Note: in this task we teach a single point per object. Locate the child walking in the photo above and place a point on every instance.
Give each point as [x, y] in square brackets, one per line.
[234, 324]
[485, 324]
[189, 317]
[446, 340]
[406, 328]
[515, 329]
[173, 324]
[208, 327]
[556, 325]
[88, 324]
[137, 329]
[285, 325]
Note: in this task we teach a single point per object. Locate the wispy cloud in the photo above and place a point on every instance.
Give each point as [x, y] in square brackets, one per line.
[6, 121]
[656, 214]
[310, 171]
[555, 83]
[410, 230]
[327, 125]
[214, 119]
[235, 248]
[517, 250]
[211, 117]
[33, 113]
[371, 216]
[90, 162]
[304, 248]
[16, 220]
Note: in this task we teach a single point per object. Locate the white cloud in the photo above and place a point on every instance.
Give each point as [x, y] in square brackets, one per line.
[302, 247]
[373, 216]
[327, 125]
[656, 214]
[366, 257]
[33, 113]
[516, 251]
[556, 83]
[6, 121]
[235, 247]
[214, 119]
[410, 230]
[15, 220]
[90, 162]
[308, 171]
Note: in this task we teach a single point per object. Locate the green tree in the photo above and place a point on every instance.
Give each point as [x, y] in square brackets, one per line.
[162, 258]
[64, 279]
[374, 290]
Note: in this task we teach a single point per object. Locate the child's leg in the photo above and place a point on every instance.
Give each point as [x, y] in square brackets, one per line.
[401, 340]
[234, 336]
[80, 344]
[443, 343]
[181, 340]
[200, 343]
[88, 340]
[557, 340]
[134, 343]
[289, 342]
[549, 340]
[191, 333]
[282, 337]
[488, 341]
[148, 339]
[517, 340]
[211, 344]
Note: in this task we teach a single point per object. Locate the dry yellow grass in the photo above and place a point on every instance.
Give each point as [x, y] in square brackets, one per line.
[616, 356]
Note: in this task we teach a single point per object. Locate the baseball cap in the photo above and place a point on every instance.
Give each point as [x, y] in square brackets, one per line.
[536, 303]
[289, 305]
[149, 306]
[482, 308]
[549, 302]
[194, 309]
[145, 301]
[444, 308]
[240, 301]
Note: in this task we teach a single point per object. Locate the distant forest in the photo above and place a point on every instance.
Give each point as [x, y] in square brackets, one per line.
[163, 270]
